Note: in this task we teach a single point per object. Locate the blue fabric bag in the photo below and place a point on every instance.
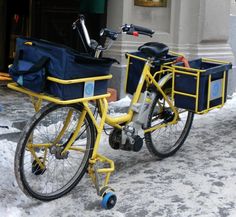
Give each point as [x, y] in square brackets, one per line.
[64, 63]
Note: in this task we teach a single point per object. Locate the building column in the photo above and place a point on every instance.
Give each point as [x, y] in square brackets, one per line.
[201, 29]
[232, 36]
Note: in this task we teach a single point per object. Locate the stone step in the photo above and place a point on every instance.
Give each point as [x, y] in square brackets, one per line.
[19, 124]
[13, 137]
[14, 131]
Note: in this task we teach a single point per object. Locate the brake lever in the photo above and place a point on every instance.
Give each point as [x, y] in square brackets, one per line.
[75, 23]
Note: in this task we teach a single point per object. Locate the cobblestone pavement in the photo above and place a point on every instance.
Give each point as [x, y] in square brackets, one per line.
[14, 106]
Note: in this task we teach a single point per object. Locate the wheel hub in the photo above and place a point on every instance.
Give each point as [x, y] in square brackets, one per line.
[57, 152]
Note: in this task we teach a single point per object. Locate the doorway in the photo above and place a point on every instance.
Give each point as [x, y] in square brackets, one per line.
[49, 20]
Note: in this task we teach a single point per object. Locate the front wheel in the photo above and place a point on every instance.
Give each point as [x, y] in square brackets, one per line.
[43, 169]
[167, 140]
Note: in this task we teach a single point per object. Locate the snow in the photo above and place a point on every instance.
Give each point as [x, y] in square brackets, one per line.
[124, 102]
[198, 181]
[7, 128]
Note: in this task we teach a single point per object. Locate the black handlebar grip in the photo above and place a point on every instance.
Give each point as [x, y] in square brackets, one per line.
[110, 34]
[142, 30]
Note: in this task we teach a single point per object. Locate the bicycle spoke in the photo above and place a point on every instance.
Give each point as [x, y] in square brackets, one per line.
[168, 136]
[59, 172]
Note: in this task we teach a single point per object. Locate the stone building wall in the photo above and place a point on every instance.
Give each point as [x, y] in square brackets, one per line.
[232, 35]
[197, 28]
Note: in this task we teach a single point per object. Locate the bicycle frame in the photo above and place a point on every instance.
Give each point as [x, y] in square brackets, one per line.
[149, 78]
[142, 117]
[116, 122]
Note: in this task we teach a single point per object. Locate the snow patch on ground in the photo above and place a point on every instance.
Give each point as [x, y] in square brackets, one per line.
[5, 129]
[198, 181]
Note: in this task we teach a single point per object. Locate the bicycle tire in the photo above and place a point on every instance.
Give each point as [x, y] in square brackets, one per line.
[170, 137]
[52, 165]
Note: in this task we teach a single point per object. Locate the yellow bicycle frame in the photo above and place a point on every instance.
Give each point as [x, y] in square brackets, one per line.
[105, 118]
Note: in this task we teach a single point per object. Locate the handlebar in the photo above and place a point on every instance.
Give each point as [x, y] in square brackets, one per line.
[81, 21]
[109, 33]
[136, 30]
[128, 29]
[112, 35]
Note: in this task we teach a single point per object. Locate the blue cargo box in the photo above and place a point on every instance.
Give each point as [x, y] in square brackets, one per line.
[202, 87]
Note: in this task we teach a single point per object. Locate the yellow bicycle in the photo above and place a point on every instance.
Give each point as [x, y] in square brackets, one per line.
[60, 142]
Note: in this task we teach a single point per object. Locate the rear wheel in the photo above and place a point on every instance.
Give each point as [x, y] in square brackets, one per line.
[167, 140]
[42, 169]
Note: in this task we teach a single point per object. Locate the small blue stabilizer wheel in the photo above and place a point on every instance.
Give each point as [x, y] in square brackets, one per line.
[109, 200]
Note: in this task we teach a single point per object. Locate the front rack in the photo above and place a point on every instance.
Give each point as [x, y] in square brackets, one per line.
[51, 98]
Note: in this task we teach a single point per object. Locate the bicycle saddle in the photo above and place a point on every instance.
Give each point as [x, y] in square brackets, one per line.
[154, 49]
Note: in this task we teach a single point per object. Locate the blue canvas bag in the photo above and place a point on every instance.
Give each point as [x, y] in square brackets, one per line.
[64, 63]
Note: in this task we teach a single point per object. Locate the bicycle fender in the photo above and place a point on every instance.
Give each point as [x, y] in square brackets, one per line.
[162, 82]
[165, 79]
